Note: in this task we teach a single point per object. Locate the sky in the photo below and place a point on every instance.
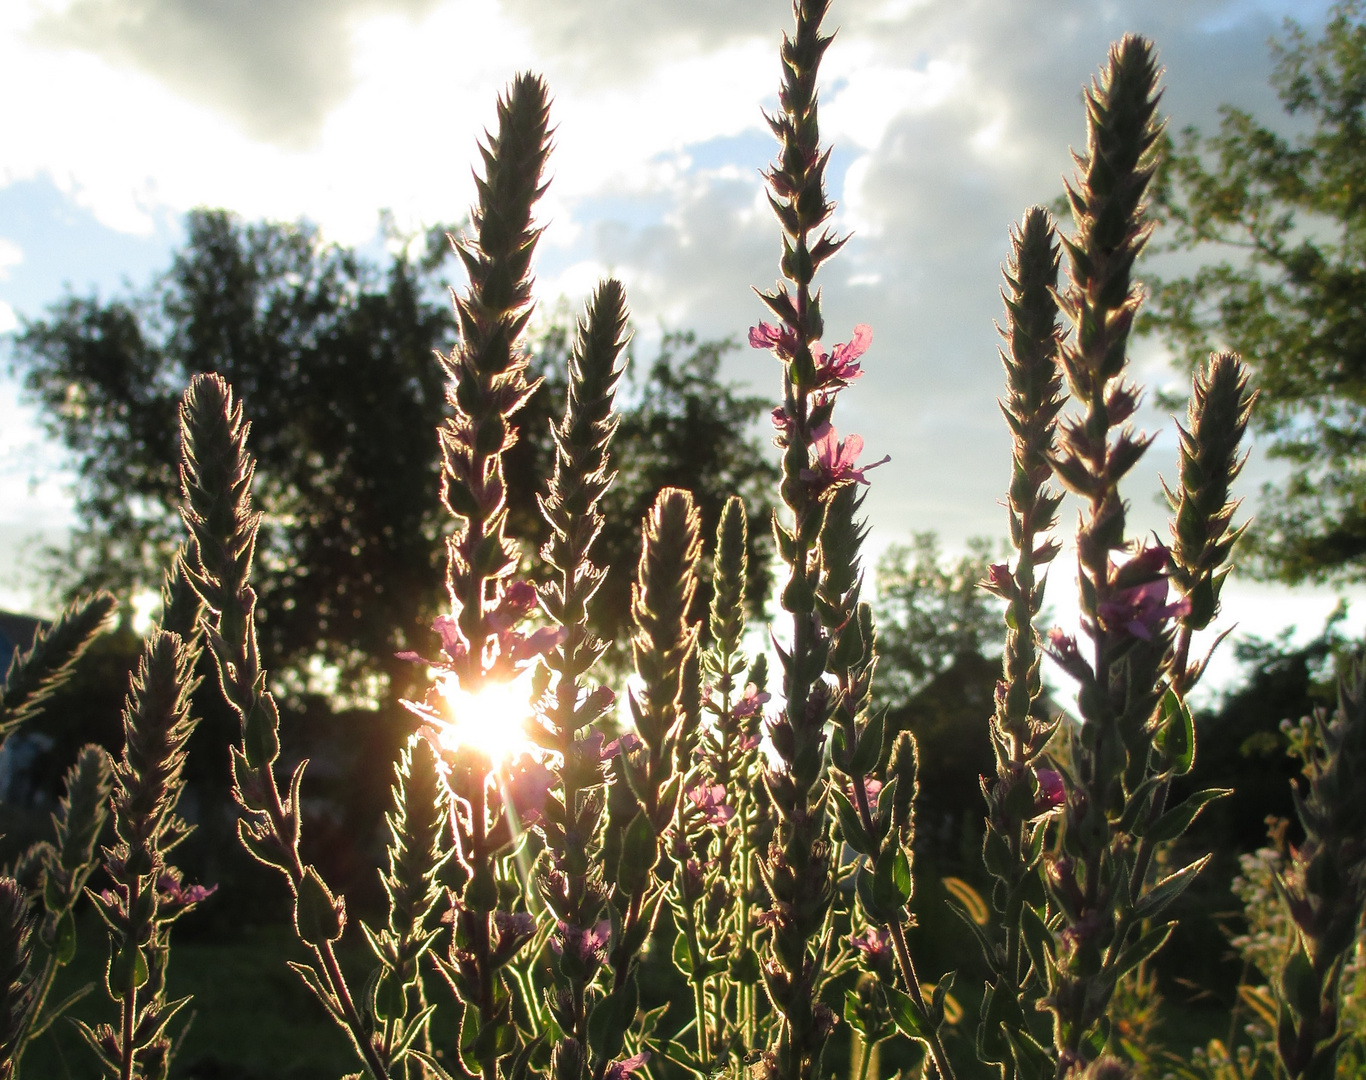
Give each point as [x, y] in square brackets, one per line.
[947, 119]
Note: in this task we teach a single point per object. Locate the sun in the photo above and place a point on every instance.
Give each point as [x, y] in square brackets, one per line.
[492, 720]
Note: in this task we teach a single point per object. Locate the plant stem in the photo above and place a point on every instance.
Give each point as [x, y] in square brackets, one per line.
[903, 954]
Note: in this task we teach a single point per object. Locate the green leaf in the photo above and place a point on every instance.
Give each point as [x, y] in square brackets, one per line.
[1155, 901]
[1176, 734]
[1032, 1061]
[318, 915]
[682, 954]
[64, 940]
[315, 983]
[410, 1033]
[869, 746]
[639, 853]
[611, 1018]
[1038, 940]
[853, 1012]
[909, 1020]
[431, 1065]
[1178, 819]
[850, 826]
[1141, 949]
[1299, 984]
[892, 878]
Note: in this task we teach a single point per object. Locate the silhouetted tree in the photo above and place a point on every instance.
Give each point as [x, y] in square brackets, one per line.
[332, 354]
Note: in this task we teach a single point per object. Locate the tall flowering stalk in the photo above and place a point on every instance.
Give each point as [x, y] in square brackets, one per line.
[1023, 792]
[487, 373]
[1136, 730]
[37, 672]
[53, 873]
[569, 877]
[216, 475]
[831, 631]
[1324, 884]
[647, 783]
[148, 893]
[418, 849]
[714, 870]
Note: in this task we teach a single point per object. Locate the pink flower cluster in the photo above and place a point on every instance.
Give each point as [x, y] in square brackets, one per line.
[836, 459]
[834, 370]
[711, 800]
[506, 650]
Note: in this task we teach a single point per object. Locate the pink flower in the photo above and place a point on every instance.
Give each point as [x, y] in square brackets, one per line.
[528, 785]
[1052, 793]
[840, 368]
[782, 423]
[505, 650]
[517, 602]
[782, 340]
[999, 580]
[453, 642]
[871, 787]
[875, 944]
[177, 897]
[629, 741]
[711, 800]
[520, 648]
[1063, 646]
[1141, 609]
[620, 1070]
[513, 928]
[751, 703]
[590, 946]
[836, 459]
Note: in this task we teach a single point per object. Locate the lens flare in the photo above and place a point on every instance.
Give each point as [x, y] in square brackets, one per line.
[492, 720]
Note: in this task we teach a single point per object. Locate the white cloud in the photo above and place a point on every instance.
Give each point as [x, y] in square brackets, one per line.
[11, 255]
[8, 320]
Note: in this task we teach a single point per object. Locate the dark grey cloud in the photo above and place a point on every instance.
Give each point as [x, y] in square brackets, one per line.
[274, 67]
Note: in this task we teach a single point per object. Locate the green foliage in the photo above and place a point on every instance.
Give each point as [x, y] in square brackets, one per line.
[334, 352]
[931, 613]
[1289, 211]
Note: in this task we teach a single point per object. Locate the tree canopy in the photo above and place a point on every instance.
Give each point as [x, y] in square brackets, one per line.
[332, 354]
[1290, 211]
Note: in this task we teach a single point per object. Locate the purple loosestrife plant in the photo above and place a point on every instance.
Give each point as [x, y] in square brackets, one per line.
[568, 873]
[789, 873]
[831, 631]
[643, 802]
[1136, 732]
[1018, 798]
[418, 849]
[487, 385]
[216, 474]
[1324, 884]
[33, 675]
[16, 980]
[54, 872]
[798, 869]
[714, 875]
[147, 893]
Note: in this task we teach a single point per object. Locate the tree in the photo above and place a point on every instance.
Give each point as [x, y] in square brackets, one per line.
[939, 660]
[930, 614]
[1293, 209]
[332, 355]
